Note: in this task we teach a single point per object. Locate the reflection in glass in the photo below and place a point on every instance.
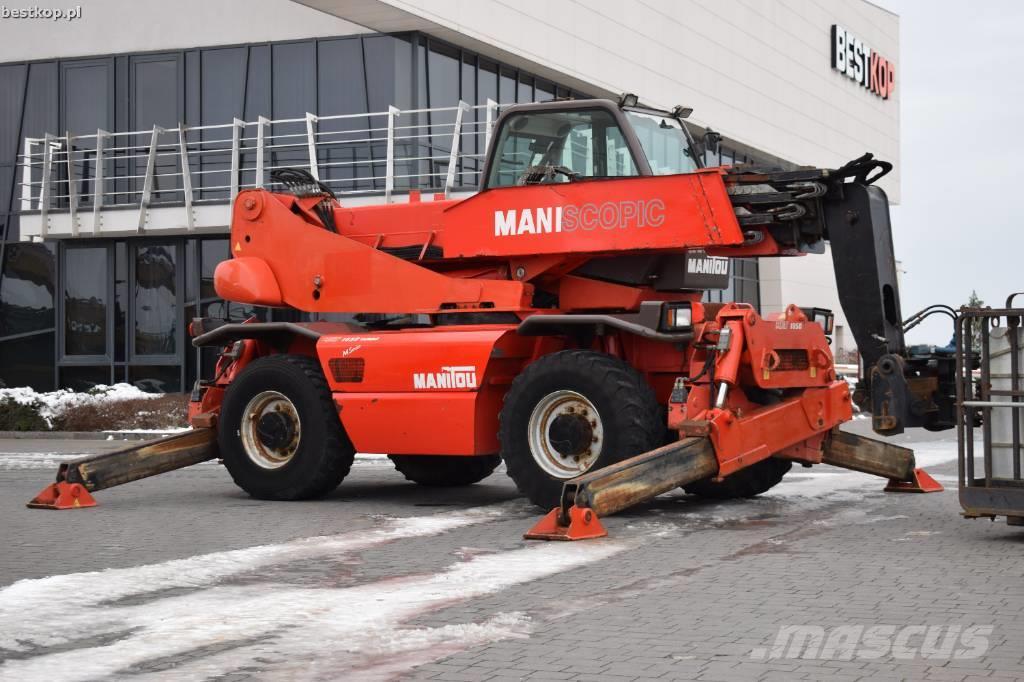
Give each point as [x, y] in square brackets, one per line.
[156, 310]
[85, 300]
[156, 379]
[213, 252]
[26, 291]
[28, 361]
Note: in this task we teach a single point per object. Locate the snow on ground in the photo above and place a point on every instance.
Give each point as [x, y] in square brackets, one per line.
[53, 403]
[125, 618]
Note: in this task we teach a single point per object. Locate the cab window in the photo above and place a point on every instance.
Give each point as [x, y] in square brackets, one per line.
[664, 142]
[555, 147]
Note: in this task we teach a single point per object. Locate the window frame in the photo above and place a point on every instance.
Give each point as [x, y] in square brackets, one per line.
[629, 135]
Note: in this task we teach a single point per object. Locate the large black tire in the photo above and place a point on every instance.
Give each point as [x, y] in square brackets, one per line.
[319, 454]
[749, 482]
[752, 481]
[628, 413]
[445, 470]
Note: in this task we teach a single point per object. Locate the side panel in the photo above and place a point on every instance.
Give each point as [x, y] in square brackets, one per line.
[422, 423]
[431, 391]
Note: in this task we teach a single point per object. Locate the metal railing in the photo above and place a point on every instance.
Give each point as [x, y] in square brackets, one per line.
[990, 399]
[377, 153]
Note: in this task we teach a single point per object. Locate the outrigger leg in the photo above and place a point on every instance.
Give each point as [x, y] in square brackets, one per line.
[587, 498]
[77, 479]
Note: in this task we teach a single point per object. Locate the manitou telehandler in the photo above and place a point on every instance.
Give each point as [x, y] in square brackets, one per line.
[555, 320]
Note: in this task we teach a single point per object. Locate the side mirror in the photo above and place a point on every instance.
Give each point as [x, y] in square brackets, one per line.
[711, 140]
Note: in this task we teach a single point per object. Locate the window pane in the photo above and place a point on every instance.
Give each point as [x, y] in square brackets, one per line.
[548, 147]
[443, 73]
[213, 252]
[664, 142]
[26, 291]
[156, 379]
[156, 312]
[507, 87]
[155, 98]
[342, 91]
[28, 361]
[525, 94]
[84, 378]
[85, 300]
[121, 301]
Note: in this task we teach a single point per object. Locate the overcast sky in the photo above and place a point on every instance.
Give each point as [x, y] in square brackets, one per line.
[960, 223]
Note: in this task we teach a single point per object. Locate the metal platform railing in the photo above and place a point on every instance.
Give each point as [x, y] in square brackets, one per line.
[84, 178]
[990, 399]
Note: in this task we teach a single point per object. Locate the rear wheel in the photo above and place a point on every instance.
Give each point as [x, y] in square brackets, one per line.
[753, 480]
[445, 470]
[749, 482]
[279, 431]
[572, 412]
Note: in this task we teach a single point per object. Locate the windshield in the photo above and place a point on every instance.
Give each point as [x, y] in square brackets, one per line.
[664, 142]
[541, 147]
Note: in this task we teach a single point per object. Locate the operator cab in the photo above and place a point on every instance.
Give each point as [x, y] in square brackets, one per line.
[570, 141]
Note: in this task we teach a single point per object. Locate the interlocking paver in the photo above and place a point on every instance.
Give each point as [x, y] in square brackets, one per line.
[695, 590]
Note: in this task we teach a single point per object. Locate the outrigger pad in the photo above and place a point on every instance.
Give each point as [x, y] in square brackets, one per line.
[62, 495]
[920, 483]
[583, 525]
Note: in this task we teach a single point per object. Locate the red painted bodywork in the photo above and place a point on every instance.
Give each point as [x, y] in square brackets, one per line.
[463, 257]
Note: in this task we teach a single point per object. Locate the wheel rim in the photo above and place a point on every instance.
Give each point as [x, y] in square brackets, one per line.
[270, 430]
[565, 434]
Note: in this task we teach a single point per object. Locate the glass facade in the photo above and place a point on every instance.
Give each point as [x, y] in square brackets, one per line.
[85, 311]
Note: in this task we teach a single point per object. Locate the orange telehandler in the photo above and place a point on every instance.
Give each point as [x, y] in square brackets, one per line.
[555, 321]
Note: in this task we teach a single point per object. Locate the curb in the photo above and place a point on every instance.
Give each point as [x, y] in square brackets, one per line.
[83, 435]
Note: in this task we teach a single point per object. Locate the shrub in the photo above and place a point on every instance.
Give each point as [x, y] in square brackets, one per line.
[167, 411]
[15, 416]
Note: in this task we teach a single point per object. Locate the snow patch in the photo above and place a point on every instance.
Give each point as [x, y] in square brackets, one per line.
[53, 403]
[283, 630]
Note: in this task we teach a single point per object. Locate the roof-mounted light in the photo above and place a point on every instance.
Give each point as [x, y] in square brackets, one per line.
[628, 99]
[679, 111]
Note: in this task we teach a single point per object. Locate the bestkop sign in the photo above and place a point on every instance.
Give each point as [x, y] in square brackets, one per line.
[858, 62]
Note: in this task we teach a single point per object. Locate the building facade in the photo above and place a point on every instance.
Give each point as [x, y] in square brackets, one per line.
[83, 307]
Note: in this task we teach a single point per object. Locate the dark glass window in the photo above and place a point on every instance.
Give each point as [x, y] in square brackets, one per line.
[525, 92]
[586, 143]
[157, 100]
[443, 72]
[81, 378]
[26, 292]
[85, 300]
[157, 318]
[121, 300]
[156, 379]
[28, 361]
[213, 252]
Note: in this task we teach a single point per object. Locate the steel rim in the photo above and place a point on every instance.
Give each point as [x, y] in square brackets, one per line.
[553, 462]
[261, 454]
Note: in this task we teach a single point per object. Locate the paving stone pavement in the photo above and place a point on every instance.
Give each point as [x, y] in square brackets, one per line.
[412, 583]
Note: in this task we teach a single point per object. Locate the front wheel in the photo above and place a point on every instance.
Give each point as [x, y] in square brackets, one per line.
[572, 412]
[279, 431]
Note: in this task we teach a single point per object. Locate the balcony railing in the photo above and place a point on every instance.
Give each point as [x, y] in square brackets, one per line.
[171, 178]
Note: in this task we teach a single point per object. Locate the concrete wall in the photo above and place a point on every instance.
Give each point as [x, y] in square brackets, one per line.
[758, 71]
[114, 26]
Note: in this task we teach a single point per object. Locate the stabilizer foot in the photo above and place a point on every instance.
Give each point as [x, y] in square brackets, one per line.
[583, 525]
[62, 495]
[921, 482]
